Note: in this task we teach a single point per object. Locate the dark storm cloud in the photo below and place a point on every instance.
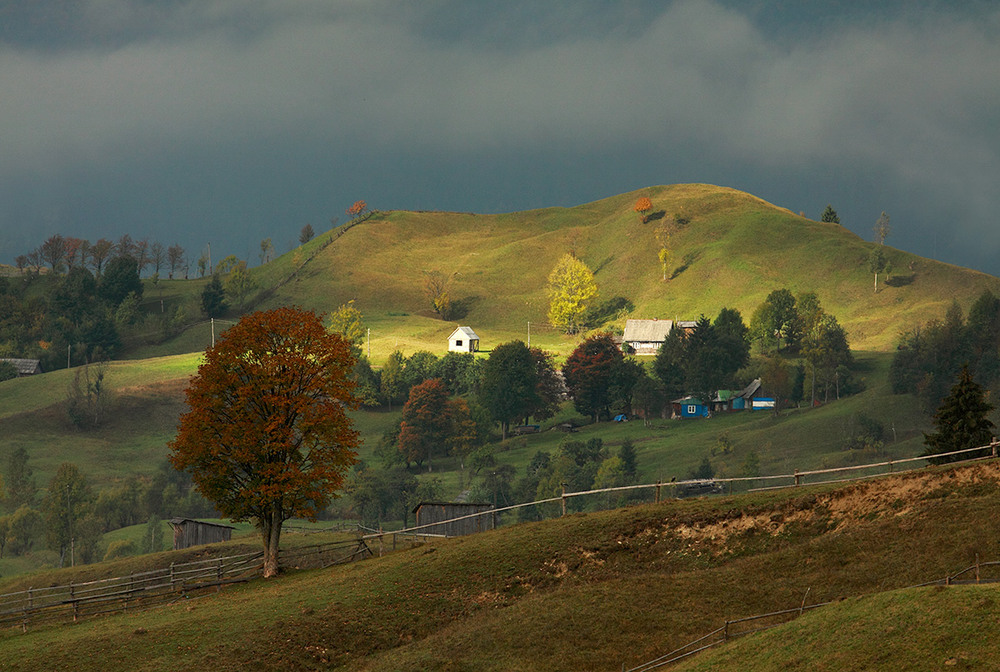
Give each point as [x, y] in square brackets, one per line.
[236, 120]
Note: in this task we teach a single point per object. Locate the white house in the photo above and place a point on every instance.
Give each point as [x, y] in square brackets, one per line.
[463, 339]
[646, 336]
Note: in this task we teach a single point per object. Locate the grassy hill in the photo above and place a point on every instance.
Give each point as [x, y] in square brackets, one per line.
[599, 591]
[735, 249]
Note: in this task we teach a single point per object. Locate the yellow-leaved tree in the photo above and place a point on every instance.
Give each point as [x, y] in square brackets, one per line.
[571, 287]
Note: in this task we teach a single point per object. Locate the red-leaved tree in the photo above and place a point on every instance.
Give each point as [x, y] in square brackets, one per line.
[591, 373]
[427, 422]
[267, 436]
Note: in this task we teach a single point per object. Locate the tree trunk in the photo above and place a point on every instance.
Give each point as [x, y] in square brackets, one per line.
[270, 528]
[813, 402]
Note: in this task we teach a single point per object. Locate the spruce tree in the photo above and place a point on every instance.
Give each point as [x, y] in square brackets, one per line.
[961, 422]
[830, 215]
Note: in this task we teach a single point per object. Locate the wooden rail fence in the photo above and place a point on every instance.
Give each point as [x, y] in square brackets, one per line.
[985, 572]
[143, 590]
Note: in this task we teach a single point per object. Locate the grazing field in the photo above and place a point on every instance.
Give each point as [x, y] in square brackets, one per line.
[602, 590]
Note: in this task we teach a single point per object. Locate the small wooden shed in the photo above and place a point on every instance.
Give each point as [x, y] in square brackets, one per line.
[188, 532]
[25, 367]
[434, 512]
[463, 339]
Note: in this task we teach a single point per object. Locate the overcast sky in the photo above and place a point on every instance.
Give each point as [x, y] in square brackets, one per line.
[229, 121]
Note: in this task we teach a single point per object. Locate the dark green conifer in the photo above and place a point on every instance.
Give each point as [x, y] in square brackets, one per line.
[961, 422]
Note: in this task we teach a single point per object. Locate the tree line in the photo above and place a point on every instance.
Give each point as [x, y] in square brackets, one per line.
[930, 357]
[70, 517]
[463, 407]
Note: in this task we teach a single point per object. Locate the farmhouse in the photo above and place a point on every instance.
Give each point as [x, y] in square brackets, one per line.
[754, 397]
[463, 339]
[443, 512]
[689, 407]
[188, 532]
[25, 367]
[646, 336]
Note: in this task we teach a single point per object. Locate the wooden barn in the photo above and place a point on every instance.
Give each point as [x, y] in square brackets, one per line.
[188, 532]
[25, 367]
[433, 512]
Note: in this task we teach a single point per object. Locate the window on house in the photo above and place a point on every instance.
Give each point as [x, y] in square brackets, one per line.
[458, 343]
[692, 409]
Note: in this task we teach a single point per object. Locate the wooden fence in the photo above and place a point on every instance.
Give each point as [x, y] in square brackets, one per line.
[138, 590]
[142, 590]
[986, 572]
[674, 489]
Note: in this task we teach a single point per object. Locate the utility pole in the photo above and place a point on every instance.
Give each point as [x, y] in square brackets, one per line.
[529, 334]
[213, 332]
[369, 342]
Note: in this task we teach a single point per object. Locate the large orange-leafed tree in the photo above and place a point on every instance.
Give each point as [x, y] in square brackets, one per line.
[267, 437]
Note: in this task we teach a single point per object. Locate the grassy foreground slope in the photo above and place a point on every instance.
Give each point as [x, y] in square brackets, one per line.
[584, 592]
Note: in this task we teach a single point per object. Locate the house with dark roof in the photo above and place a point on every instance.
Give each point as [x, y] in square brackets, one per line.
[25, 367]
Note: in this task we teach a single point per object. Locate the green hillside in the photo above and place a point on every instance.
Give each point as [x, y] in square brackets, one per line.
[735, 250]
[602, 591]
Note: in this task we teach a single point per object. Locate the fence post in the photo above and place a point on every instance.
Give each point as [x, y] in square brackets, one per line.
[76, 605]
[171, 576]
[993, 445]
[218, 576]
[890, 466]
[658, 486]
[797, 478]
[977, 568]
[563, 499]
[27, 608]
[725, 632]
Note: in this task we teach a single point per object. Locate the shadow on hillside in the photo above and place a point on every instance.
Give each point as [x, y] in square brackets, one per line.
[901, 280]
[689, 259]
[604, 263]
[460, 308]
[659, 214]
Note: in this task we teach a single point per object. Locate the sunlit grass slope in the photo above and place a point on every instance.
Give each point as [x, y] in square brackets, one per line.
[735, 250]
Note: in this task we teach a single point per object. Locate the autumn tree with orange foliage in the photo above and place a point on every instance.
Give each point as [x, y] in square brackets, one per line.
[357, 209]
[267, 436]
[643, 206]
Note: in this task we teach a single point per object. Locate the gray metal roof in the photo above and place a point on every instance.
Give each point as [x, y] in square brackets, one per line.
[25, 367]
[649, 331]
[466, 331]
